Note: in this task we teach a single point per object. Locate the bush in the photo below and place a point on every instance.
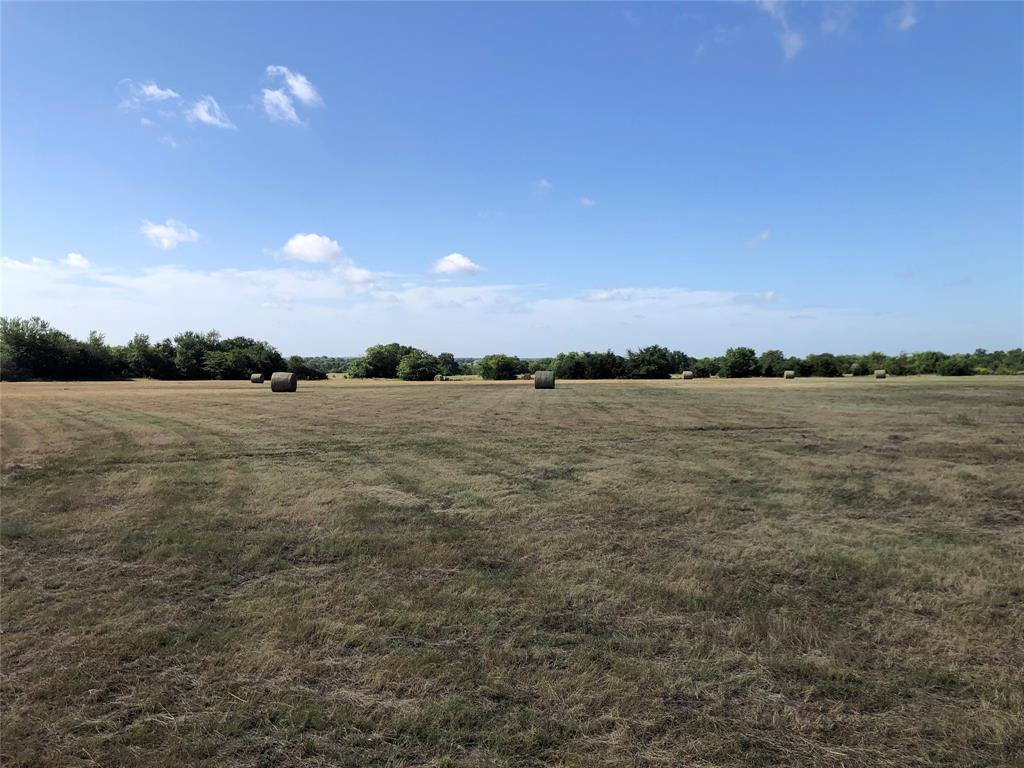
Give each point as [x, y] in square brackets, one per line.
[499, 367]
[957, 365]
[418, 366]
[739, 363]
[652, 362]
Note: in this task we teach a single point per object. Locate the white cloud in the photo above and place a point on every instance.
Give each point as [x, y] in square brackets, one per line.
[456, 264]
[588, 202]
[835, 18]
[470, 319]
[145, 122]
[298, 85]
[207, 111]
[139, 94]
[905, 17]
[759, 238]
[76, 261]
[278, 106]
[169, 234]
[541, 186]
[790, 40]
[311, 248]
[791, 43]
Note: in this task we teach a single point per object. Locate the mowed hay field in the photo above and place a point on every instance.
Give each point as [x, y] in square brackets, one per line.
[700, 573]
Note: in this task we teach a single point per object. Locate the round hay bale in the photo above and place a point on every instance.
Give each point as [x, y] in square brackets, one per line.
[687, 375]
[440, 377]
[789, 374]
[544, 380]
[256, 378]
[879, 374]
[284, 381]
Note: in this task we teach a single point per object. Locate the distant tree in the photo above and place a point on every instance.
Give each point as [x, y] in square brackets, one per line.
[739, 363]
[447, 365]
[679, 361]
[417, 365]
[569, 365]
[496, 367]
[706, 367]
[824, 364]
[382, 360]
[955, 365]
[771, 363]
[651, 362]
[861, 367]
[303, 370]
[190, 349]
[357, 368]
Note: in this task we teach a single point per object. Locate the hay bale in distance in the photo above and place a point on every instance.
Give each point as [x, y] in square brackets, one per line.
[256, 378]
[879, 374]
[687, 375]
[284, 381]
[440, 377]
[544, 380]
[789, 374]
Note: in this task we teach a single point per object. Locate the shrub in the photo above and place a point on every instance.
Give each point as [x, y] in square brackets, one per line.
[652, 362]
[498, 367]
[418, 365]
[739, 363]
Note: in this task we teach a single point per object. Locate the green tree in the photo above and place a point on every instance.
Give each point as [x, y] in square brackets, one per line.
[955, 365]
[190, 349]
[824, 364]
[739, 363]
[651, 362]
[382, 360]
[447, 365]
[417, 365]
[498, 367]
[771, 363]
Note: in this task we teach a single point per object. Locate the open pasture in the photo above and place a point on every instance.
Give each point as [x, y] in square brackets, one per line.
[699, 573]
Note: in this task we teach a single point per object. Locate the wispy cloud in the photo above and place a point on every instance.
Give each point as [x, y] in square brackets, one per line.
[279, 103]
[790, 40]
[759, 238]
[456, 264]
[905, 17]
[469, 318]
[137, 94]
[169, 234]
[588, 202]
[279, 107]
[836, 18]
[541, 186]
[207, 111]
[298, 85]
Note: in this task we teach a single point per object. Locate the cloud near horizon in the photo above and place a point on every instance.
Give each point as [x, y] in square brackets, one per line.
[456, 264]
[337, 308]
[169, 234]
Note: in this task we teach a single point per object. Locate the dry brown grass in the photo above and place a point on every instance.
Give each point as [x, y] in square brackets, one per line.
[815, 573]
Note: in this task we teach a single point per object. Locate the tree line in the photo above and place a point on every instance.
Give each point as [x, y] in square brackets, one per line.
[33, 349]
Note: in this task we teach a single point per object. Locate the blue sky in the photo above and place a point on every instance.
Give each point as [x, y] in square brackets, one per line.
[526, 178]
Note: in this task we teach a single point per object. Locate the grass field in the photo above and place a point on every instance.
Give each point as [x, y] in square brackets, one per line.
[708, 573]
